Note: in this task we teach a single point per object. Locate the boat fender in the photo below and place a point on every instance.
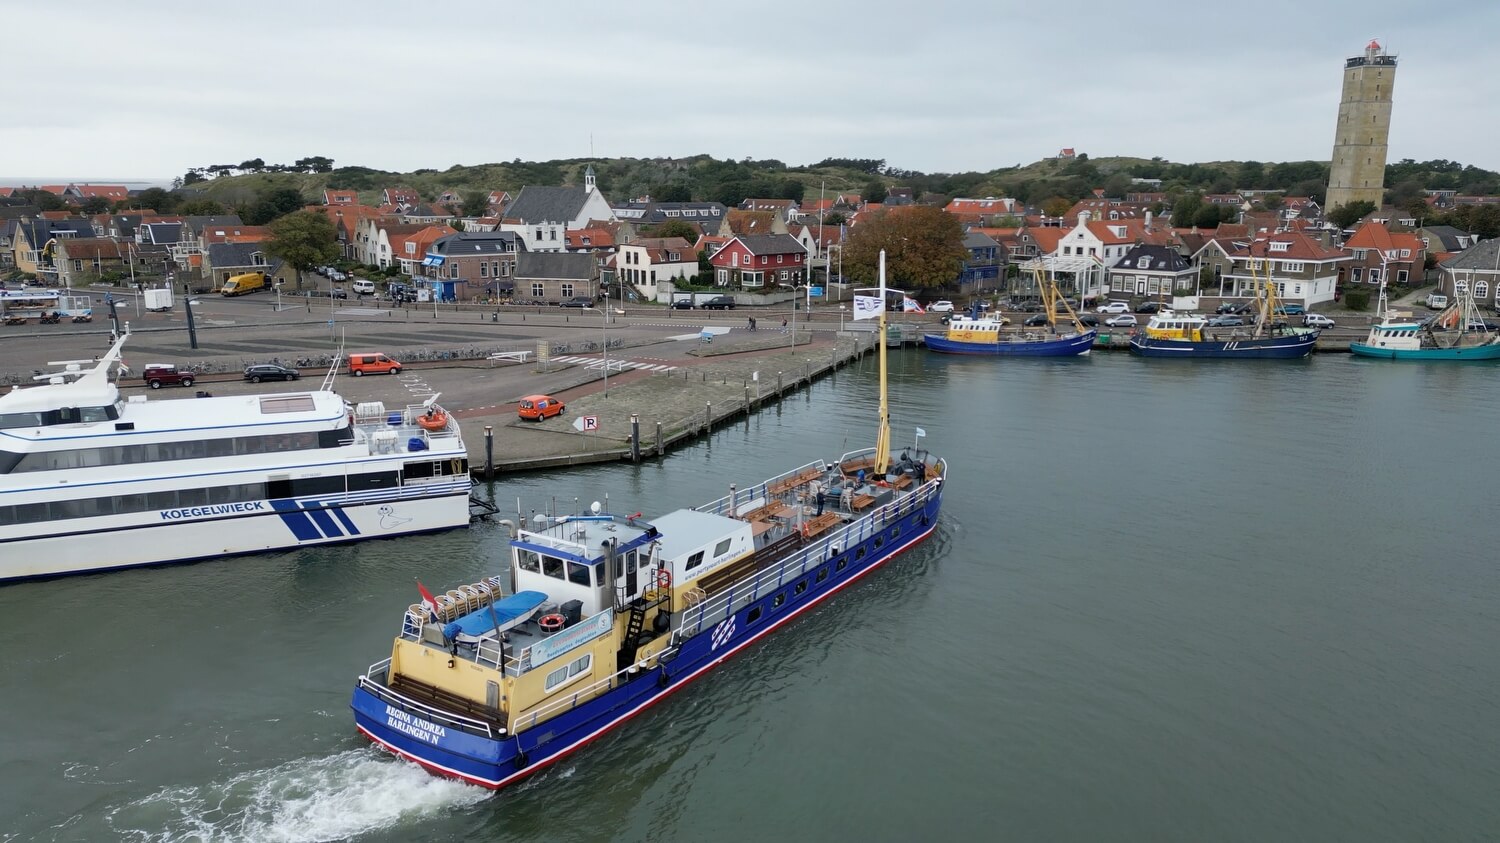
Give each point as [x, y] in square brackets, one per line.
[662, 679]
[522, 760]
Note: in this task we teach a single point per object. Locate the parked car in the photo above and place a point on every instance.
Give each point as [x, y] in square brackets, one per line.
[1114, 307]
[158, 375]
[719, 303]
[270, 372]
[682, 304]
[578, 301]
[1123, 320]
[338, 293]
[1088, 320]
[1035, 320]
[335, 275]
[1291, 309]
[1318, 320]
[1436, 301]
[1150, 307]
[539, 407]
[1233, 307]
[1227, 321]
[1030, 307]
[943, 306]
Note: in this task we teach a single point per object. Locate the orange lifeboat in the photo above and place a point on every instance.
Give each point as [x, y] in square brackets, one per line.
[434, 419]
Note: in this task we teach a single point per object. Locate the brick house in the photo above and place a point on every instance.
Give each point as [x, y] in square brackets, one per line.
[1376, 252]
[1302, 268]
[80, 261]
[554, 277]
[760, 261]
[465, 264]
[1477, 268]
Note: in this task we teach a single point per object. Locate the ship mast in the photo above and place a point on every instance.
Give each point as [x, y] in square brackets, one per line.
[883, 435]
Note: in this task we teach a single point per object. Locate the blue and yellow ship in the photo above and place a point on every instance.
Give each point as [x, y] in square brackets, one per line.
[602, 616]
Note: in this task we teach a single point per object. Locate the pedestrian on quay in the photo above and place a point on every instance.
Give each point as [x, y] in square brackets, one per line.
[783, 324]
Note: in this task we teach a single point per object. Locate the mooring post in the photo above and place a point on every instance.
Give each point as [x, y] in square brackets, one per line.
[778, 384]
[708, 416]
[658, 440]
[489, 452]
[635, 437]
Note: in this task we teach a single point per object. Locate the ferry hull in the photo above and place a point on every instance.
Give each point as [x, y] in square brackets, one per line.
[495, 762]
[1267, 348]
[1069, 346]
[1473, 352]
[112, 543]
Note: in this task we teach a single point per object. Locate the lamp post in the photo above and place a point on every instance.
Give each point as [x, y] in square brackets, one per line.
[604, 335]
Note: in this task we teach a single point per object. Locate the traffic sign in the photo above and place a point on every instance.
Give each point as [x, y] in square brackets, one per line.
[586, 423]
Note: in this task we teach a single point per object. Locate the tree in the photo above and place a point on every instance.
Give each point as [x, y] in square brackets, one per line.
[875, 191]
[314, 164]
[923, 245]
[1056, 206]
[254, 165]
[157, 200]
[272, 204]
[43, 199]
[673, 193]
[835, 218]
[93, 206]
[1185, 209]
[476, 203]
[676, 228]
[1346, 215]
[1117, 185]
[304, 240]
[202, 207]
[193, 176]
[790, 189]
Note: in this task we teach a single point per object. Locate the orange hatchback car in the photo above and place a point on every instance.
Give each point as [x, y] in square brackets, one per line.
[538, 407]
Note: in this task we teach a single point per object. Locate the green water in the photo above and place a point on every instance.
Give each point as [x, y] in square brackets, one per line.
[1167, 601]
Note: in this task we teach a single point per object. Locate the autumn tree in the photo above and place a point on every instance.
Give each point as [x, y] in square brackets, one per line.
[304, 239]
[923, 246]
[1056, 206]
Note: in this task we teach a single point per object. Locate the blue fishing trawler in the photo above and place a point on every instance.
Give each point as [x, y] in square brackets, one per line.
[602, 616]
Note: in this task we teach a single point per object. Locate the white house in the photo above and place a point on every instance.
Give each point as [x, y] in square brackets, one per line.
[645, 262]
[540, 215]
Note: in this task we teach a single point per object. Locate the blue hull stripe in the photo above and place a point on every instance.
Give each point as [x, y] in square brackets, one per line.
[344, 519]
[296, 520]
[1064, 347]
[324, 523]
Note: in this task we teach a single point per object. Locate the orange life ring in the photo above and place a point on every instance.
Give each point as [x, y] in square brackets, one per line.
[551, 623]
[804, 529]
[664, 579]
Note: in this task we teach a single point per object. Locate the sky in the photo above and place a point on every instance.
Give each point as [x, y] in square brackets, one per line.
[149, 90]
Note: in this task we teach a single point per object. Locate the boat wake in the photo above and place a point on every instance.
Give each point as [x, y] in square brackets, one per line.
[310, 799]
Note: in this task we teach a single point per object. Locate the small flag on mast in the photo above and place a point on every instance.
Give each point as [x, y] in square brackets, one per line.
[867, 307]
[921, 432]
[432, 605]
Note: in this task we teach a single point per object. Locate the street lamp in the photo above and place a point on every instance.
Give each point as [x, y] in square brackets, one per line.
[604, 335]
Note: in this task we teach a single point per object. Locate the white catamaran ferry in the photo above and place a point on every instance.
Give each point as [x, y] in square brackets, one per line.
[91, 480]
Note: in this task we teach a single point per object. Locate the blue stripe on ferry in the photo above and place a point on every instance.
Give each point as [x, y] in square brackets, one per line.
[324, 523]
[346, 521]
[296, 520]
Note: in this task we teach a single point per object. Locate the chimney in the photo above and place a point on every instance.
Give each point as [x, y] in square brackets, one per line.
[1148, 220]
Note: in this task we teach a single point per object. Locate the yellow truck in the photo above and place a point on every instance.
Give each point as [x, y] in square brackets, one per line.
[249, 282]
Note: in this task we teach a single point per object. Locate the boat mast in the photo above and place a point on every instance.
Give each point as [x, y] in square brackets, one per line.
[883, 435]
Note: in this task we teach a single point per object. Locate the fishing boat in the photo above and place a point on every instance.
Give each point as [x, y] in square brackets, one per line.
[977, 333]
[1456, 333]
[92, 480]
[1190, 336]
[601, 616]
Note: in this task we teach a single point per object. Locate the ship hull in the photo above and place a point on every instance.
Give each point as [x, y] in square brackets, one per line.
[1069, 346]
[497, 761]
[1490, 351]
[1289, 347]
[110, 543]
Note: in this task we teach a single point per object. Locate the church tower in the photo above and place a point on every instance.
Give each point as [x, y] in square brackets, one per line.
[1359, 141]
[589, 185]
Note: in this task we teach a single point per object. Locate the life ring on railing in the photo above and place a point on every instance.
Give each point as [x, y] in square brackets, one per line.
[664, 579]
[551, 623]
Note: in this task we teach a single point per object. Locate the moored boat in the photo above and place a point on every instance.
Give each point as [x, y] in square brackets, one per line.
[91, 480]
[984, 336]
[1456, 333]
[608, 615]
[1190, 336]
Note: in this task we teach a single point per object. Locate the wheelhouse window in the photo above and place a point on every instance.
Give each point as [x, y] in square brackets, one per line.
[529, 560]
[572, 670]
[552, 567]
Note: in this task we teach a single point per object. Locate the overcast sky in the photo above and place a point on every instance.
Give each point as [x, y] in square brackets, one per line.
[148, 90]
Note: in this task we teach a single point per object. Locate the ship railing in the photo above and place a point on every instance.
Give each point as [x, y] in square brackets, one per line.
[722, 506]
[755, 585]
[578, 696]
[389, 697]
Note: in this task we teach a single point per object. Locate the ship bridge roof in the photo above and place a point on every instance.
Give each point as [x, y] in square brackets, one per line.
[688, 529]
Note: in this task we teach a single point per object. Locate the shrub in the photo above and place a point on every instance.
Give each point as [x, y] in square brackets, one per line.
[1357, 299]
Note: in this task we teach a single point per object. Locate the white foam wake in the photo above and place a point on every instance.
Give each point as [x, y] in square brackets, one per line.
[302, 801]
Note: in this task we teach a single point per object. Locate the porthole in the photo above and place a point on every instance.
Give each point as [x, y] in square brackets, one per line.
[841, 563]
[822, 574]
[801, 587]
[753, 615]
[780, 598]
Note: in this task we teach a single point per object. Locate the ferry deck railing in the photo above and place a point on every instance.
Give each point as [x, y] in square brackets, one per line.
[437, 715]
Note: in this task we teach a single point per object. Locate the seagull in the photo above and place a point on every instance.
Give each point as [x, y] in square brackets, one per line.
[389, 520]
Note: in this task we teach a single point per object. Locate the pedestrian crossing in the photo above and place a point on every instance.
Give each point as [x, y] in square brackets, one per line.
[614, 363]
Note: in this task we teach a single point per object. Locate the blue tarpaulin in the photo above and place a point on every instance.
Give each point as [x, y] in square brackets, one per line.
[511, 611]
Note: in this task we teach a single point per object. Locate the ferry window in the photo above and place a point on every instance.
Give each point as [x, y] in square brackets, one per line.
[721, 548]
[578, 573]
[552, 567]
[630, 559]
[879, 542]
[695, 560]
[529, 560]
[568, 671]
[752, 616]
[859, 554]
[779, 599]
[839, 566]
[895, 532]
[822, 574]
[375, 480]
[801, 586]
[192, 497]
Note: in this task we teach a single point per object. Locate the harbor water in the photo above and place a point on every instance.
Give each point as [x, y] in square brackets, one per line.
[1167, 601]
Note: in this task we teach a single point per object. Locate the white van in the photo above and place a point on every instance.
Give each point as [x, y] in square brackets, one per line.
[363, 287]
[1437, 301]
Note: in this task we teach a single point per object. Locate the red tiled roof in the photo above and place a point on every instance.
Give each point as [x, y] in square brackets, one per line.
[988, 205]
[750, 222]
[1047, 237]
[56, 215]
[1299, 247]
[598, 238]
[235, 233]
[340, 197]
[108, 191]
[1375, 236]
[88, 248]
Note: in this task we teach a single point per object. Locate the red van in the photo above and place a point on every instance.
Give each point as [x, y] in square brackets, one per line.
[372, 363]
[539, 407]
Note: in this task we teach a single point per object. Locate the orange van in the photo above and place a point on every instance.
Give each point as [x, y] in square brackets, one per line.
[539, 407]
[372, 363]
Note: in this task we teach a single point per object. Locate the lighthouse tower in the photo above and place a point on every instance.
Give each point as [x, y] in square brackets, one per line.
[1360, 140]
